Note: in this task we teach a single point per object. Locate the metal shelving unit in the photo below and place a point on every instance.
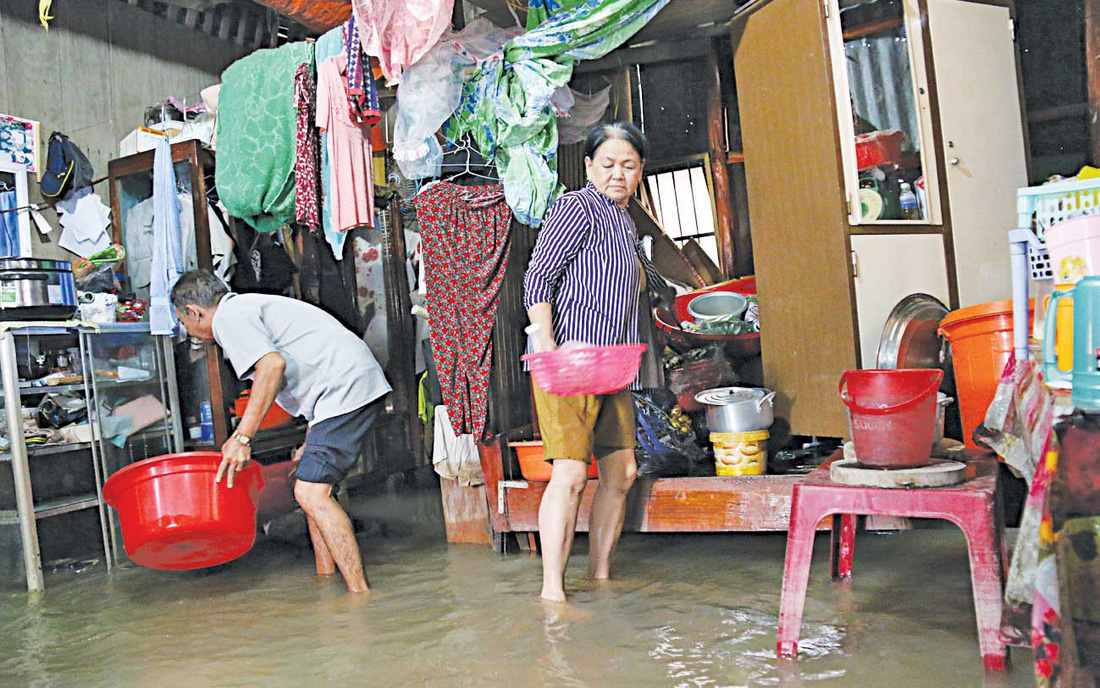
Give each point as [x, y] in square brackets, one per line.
[98, 390]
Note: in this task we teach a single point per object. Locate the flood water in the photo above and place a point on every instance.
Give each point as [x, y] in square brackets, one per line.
[685, 611]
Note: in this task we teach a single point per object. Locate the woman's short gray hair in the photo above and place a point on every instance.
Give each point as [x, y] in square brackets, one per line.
[198, 288]
[600, 133]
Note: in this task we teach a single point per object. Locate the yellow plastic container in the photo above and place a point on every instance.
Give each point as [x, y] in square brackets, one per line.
[740, 453]
[1063, 330]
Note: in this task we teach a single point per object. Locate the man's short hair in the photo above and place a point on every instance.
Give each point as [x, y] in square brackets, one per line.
[197, 288]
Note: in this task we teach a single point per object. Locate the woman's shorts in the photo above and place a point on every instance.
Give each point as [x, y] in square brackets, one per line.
[577, 427]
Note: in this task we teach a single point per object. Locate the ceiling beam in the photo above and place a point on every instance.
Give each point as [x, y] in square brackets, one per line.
[687, 49]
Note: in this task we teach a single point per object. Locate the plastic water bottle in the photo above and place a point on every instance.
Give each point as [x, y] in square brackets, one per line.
[908, 201]
[206, 422]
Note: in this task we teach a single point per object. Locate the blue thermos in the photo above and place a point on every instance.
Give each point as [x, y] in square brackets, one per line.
[1086, 343]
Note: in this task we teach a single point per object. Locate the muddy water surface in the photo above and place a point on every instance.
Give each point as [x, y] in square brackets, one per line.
[688, 611]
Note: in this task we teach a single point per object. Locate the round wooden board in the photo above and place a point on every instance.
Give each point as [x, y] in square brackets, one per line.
[939, 473]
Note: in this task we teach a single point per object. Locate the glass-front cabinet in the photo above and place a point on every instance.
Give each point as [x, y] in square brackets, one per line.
[883, 112]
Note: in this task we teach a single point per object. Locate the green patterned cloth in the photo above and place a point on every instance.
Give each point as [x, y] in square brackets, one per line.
[506, 108]
[257, 136]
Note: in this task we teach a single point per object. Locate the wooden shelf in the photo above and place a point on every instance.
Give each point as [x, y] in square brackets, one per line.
[665, 505]
[672, 505]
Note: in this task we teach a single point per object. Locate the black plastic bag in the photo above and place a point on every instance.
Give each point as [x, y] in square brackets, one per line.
[661, 450]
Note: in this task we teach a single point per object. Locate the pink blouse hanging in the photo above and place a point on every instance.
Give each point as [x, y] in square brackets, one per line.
[399, 32]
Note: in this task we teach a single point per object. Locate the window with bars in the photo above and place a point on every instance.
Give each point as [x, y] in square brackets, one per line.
[682, 202]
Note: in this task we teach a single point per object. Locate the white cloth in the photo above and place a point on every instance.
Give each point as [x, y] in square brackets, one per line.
[138, 242]
[329, 371]
[84, 221]
[167, 264]
[455, 456]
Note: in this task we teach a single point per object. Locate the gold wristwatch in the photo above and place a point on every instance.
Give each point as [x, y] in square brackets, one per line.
[242, 438]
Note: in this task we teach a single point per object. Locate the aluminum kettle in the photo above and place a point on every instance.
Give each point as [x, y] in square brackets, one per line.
[1086, 344]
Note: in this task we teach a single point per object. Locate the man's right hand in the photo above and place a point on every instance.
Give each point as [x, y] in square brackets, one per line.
[234, 457]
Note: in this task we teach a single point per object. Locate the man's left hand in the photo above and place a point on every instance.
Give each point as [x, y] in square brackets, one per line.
[234, 457]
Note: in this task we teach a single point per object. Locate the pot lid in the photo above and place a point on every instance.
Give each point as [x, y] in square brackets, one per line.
[910, 338]
[724, 396]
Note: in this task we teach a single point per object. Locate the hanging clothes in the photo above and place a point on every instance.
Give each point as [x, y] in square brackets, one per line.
[352, 194]
[307, 160]
[399, 32]
[508, 110]
[465, 237]
[167, 247]
[263, 266]
[256, 143]
[455, 457]
[362, 92]
[329, 45]
[9, 225]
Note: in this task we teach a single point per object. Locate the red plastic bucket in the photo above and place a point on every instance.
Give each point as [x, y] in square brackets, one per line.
[174, 516]
[892, 414]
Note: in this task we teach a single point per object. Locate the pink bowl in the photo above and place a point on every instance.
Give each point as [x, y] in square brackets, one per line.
[586, 370]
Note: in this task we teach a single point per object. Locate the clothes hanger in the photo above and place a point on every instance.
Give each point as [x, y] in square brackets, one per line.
[460, 146]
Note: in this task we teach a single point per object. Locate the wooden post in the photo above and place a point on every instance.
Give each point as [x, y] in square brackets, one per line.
[720, 176]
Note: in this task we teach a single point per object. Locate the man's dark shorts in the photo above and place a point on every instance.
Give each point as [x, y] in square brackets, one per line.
[333, 445]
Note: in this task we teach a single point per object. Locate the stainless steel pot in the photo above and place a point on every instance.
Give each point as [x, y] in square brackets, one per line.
[942, 402]
[32, 289]
[737, 409]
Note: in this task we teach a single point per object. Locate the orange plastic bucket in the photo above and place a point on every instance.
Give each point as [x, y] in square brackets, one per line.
[981, 346]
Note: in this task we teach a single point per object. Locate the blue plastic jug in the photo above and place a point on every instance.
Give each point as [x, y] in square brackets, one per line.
[1086, 344]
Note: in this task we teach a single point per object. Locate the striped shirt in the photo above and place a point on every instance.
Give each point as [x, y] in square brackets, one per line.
[586, 266]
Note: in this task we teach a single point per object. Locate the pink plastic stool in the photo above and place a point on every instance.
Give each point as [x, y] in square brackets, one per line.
[972, 505]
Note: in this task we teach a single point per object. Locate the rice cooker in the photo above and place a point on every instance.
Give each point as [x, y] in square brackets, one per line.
[32, 289]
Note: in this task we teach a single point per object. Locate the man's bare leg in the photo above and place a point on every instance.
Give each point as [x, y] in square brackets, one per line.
[334, 526]
[326, 565]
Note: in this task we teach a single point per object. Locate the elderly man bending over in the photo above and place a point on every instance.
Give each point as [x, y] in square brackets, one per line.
[302, 357]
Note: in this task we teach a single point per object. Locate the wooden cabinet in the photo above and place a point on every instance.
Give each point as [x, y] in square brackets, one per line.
[131, 180]
[879, 284]
[835, 246]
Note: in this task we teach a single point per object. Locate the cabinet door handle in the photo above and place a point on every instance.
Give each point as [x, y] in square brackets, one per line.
[954, 161]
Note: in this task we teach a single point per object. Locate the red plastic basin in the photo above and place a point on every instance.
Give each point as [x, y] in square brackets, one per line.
[174, 516]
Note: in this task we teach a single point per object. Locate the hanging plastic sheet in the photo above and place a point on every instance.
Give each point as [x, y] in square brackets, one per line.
[507, 108]
[585, 111]
[430, 92]
[400, 32]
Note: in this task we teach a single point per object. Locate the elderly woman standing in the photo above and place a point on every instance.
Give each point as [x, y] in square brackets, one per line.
[583, 284]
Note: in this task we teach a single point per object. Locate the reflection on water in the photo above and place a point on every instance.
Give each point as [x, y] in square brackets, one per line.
[684, 611]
